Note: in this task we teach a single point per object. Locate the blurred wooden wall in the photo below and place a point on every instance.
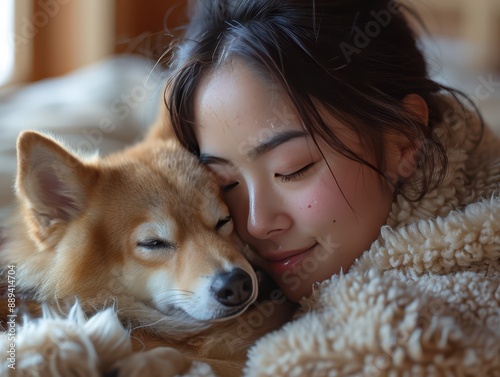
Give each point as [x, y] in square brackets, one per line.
[145, 26]
[68, 34]
[474, 21]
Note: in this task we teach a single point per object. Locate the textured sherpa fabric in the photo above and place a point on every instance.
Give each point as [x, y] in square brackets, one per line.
[425, 299]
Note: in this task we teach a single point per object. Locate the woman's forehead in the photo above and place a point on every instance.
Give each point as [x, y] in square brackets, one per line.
[235, 93]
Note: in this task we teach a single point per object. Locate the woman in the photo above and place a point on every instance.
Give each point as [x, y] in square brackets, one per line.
[344, 168]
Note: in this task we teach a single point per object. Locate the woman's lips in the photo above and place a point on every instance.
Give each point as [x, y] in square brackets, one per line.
[280, 266]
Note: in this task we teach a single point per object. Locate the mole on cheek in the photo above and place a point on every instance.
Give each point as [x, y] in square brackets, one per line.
[311, 203]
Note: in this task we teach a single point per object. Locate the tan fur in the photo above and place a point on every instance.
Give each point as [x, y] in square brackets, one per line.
[161, 129]
[77, 231]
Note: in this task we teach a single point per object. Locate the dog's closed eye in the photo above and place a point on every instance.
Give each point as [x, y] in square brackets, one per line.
[224, 226]
[156, 244]
[222, 222]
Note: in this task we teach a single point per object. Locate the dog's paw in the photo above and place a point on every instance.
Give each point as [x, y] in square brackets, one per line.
[66, 346]
[158, 362]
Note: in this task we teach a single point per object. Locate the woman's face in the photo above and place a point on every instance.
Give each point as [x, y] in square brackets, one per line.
[303, 223]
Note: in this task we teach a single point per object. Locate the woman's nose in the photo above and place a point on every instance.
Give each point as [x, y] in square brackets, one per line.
[267, 216]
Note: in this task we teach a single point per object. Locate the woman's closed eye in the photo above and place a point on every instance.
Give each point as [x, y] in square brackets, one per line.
[283, 177]
[295, 175]
[228, 187]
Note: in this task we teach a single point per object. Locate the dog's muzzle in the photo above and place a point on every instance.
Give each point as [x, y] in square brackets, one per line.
[233, 288]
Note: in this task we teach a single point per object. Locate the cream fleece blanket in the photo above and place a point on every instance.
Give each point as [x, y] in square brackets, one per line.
[424, 300]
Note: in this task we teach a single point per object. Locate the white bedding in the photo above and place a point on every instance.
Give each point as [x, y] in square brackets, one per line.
[110, 104]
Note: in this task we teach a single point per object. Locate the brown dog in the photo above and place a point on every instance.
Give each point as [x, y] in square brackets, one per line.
[145, 231]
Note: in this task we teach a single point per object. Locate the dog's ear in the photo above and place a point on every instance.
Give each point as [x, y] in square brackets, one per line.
[51, 181]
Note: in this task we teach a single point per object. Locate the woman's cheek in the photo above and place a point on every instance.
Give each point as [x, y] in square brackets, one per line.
[318, 206]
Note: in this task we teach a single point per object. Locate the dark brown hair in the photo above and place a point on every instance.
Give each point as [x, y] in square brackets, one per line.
[357, 58]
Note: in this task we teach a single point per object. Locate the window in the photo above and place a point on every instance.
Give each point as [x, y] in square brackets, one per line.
[7, 44]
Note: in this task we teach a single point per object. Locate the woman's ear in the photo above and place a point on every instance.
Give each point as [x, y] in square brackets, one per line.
[402, 153]
[417, 107]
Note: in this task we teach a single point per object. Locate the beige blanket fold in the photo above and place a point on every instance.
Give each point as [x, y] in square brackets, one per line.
[424, 300]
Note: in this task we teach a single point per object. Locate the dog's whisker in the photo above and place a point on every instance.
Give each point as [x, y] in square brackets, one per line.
[173, 301]
[149, 324]
[178, 290]
[174, 296]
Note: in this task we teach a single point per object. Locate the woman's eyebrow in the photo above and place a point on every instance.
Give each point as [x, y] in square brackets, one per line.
[206, 159]
[276, 140]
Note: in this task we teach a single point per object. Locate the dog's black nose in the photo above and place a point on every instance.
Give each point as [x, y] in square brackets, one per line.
[232, 288]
